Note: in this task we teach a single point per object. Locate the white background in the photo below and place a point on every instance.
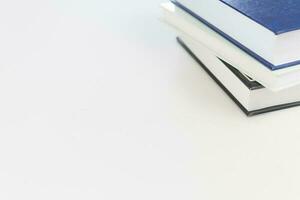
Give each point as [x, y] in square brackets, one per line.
[99, 102]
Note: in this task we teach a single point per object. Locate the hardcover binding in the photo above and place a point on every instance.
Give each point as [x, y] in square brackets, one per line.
[280, 16]
[235, 42]
[249, 113]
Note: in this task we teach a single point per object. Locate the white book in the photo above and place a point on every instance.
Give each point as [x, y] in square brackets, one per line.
[185, 23]
[248, 94]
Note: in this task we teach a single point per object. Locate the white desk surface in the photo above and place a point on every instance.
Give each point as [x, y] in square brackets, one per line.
[99, 102]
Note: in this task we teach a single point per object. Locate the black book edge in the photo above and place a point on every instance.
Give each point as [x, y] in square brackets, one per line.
[247, 112]
[248, 81]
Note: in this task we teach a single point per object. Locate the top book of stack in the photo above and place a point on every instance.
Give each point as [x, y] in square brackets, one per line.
[267, 30]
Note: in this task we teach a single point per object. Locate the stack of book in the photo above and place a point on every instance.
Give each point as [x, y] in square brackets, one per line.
[251, 48]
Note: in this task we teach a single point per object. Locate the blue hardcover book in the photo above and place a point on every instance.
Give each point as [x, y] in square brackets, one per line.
[268, 30]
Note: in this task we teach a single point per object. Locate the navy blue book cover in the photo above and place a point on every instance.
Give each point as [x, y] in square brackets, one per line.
[279, 16]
